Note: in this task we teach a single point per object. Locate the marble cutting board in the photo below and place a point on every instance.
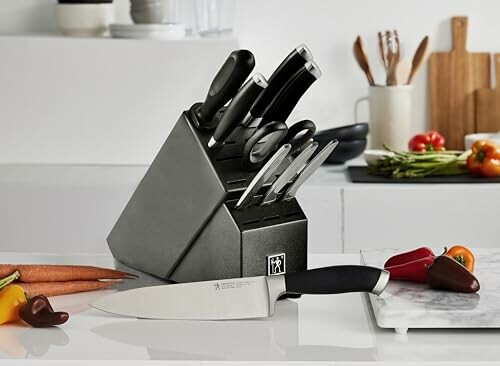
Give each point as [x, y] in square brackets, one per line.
[405, 305]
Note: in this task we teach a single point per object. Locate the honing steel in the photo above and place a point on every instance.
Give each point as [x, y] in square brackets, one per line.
[225, 85]
[264, 174]
[288, 174]
[237, 109]
[308, 170]
[239, 298]
[362, 58]
[285, 101]
[419, 58]
[288, 67]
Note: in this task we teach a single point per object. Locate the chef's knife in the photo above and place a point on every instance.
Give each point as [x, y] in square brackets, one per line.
[225, 85]
[289, 173]
[288, 67]
[238, 108]
[309, 169]
[285, 101]
[239, 298]
[266, 172]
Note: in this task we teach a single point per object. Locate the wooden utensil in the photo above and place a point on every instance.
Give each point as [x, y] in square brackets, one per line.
[393, 56]
[488, 103]
[419, 58]
[453, 78]
[362, 59]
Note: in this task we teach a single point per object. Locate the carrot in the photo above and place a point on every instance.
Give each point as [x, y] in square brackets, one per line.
[63, 288]
[56, 272]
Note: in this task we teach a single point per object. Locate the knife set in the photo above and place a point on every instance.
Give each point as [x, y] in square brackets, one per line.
[218, 201]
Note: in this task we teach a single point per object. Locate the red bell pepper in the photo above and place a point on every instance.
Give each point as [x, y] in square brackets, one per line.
[429, 141]
[415, 271]
[410, 256]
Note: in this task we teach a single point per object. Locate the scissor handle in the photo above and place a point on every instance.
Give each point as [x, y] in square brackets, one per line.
[262, 143]
[299, 134]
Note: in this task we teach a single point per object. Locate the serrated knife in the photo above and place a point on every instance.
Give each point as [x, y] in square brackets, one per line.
[239, 298]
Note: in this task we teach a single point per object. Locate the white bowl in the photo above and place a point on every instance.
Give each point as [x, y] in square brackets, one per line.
[372, 156]
[470, 139]
[85, 20]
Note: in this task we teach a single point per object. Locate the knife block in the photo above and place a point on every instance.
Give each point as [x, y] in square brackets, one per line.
[180, 223]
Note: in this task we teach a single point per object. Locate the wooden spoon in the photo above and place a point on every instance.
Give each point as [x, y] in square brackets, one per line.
[362, 59]
[419, 58]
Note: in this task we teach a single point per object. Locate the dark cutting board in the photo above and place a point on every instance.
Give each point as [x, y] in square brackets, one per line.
[360, 174]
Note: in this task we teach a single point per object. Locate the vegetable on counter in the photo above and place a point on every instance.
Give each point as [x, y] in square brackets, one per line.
[420, 164]
[12, 298]
[484, 159]
[38, 313]
[56, 272]
[447, 274]
[462, 255]
[429, 141]
[410, 256]
[63, 288]
[415, 271]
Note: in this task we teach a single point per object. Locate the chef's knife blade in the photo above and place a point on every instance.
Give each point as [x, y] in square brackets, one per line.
[239, 298]
[309, 169]
[225, 85]
[238, 108]
[285, 101]
[266, 172]
[289, 173]
[288, 67]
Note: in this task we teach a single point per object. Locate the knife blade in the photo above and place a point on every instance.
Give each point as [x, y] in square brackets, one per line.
[285, 101]
[288, 67]
[288, 174]
[239, 298]
[266, 172]
[225, 85]
[309, 169]
[237, 109]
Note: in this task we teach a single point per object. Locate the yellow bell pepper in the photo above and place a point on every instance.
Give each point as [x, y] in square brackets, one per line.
[12, 298]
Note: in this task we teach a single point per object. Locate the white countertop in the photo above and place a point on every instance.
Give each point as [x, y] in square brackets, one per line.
[333, 330]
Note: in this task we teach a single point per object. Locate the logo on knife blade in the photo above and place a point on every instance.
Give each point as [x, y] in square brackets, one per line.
[276, 264]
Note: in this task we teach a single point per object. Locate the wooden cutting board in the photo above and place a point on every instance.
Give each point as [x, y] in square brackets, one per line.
[453, 79]
[488, 103]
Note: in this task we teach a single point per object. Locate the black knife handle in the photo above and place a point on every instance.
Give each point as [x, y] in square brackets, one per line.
[288, 97]
[238, 108]
[226, 83]
[288, 67]
[337, 279]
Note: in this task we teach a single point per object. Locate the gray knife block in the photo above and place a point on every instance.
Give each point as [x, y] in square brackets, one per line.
[180, 223]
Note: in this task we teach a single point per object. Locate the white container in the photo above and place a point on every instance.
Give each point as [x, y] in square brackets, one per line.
[471, 138]
[390, 116]
[85, 20]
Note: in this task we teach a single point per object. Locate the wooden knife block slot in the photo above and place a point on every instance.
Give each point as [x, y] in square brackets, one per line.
[180, 223]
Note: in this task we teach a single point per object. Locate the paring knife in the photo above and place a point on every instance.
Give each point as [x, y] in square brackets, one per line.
[266, 172]
[225, 85]
[238, 108]
[309, 169]
[288, 67]
[289, 173]
[285, 101]
[239, 298]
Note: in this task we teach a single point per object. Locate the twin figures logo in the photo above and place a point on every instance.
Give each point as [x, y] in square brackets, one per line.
[276, 264]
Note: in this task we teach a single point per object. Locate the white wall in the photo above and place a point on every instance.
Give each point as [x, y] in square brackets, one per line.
[270, 28]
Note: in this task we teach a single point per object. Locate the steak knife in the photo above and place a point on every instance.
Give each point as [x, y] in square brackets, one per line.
[225, 85]
[239, 298]
[289, 173]
[285, 101]
[237, 109]
[266, 172]
[288, 67]
[309, 169]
